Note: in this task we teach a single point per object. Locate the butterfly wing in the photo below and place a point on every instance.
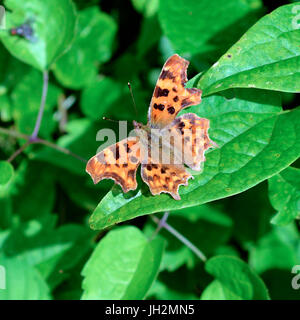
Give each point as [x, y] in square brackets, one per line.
[170, 96]
[188, 135]
[118, 162]
[165, 178]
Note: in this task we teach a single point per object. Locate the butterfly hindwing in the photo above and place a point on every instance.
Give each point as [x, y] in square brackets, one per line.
[170, 95]
[189, 136]
[118, 162]
[164, 178]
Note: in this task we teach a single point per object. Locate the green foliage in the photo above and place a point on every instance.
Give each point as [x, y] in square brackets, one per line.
[23, 282]
[53, 37]
[284, 193]
[98, 97]
[266, 57]
[196, 35]
[256, 140]
[130, 262]
[241, 211]
[92, 46]
[6, 172]
[234, 280]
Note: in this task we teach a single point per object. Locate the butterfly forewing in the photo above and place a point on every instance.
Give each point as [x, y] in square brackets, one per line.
[170, 95]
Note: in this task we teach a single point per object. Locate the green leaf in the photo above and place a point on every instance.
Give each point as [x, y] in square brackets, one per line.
[284, 194]
[22, 281]
[235, 280]
[256, 140]
[6, 172]
[92, 46]
[215, 291]
[5, 108]
[53, 251]
[251, 207]
[266, 57]
[162, 291]
[279, 249]
[123, 266]
[99, 96]
[147, 7]
[11, 72]
[53, 23]
[149, 36]
[34, 194]
[206, 25]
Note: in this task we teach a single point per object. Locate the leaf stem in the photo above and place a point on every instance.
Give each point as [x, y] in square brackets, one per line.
[163, 224]
[42, 106]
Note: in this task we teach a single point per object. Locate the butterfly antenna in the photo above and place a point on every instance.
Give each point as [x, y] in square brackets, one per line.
[108, 119]
[132, 97]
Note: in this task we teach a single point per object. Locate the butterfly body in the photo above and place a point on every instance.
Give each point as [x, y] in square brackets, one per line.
[165, 144]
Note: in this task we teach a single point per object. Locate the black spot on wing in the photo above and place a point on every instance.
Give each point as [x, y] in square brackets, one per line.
[159, 92]
[171, 110]
[158, 106]
[166, 74]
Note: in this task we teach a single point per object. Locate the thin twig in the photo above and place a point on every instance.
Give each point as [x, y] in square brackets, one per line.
[58, 148]
[36, 141]
[33, 139]
[42, 106]
[17, 152]
[180, 237]
[161, 223]
[14, 133]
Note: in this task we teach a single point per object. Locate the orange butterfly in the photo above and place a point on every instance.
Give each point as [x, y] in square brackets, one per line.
[181, 140]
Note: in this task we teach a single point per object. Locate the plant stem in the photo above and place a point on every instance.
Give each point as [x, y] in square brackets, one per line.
[34, 137]
[17, 152]
[13, 133]
[36, 141]
[161, 223]
[180, 237]
[58, 148]
[42, 106]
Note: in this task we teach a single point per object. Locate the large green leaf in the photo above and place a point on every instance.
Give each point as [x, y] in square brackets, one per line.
[206, 26]
[123, 266]
[235, 280]
[256, 138]
[266, 57]
[93, 45]
[22, 281]
[6, 172]
[53, 22]
[284, 194]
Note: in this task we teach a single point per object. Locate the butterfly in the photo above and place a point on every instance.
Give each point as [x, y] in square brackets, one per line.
[165, 144]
